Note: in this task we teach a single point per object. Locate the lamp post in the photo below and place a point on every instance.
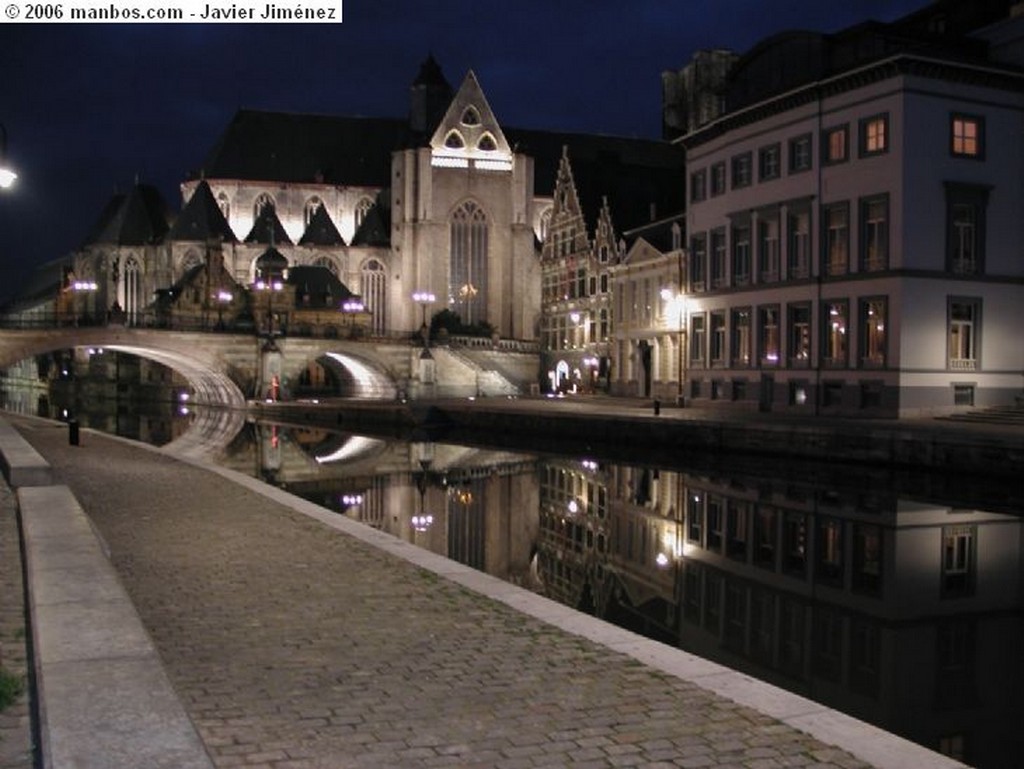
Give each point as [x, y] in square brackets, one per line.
[223, 298]
[679, 300]
[423, 299]
[7, 174]
[82, 288]
[271, 287]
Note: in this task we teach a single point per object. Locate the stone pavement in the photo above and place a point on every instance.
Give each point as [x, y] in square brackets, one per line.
[294, 645]
[16, 747]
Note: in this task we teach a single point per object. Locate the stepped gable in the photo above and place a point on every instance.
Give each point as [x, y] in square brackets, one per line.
[316, 287]
[202, 219]
[139, 218]
[267, 229]
[375, 229]
[285, 147]
[321, 230]
[643, 179]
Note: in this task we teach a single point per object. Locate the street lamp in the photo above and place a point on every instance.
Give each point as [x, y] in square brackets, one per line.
[82, 288]
[679, 300]
[7, 174]
[270, 286]
[223, 297]
[423, 299]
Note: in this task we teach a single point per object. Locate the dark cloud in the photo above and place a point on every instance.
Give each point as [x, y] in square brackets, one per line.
[89, 108]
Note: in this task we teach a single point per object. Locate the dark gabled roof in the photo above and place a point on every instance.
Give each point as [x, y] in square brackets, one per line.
[319, 284]
[139, 218]
[643, 179]
[375, 229]
[278, 146]
[202, 219]
[267, 229]
[321, 230]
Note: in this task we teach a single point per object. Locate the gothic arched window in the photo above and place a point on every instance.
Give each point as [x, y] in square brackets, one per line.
[467, 289]
[224, 205]
[373, 288]
[487, 143]
[454, 140]
[323, 260]
[310, 209]
[131, 293]
[262, 201]
[362, 209]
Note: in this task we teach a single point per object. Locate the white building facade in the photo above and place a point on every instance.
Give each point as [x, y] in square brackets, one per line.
[855, 243]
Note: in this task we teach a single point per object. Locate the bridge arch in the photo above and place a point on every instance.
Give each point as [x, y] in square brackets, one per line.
[208, 377]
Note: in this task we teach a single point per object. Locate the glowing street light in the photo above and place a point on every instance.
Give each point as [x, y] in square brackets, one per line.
[7, 174]
[423, 299]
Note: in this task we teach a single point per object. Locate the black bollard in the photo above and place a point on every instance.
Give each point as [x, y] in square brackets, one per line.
[73, 432]
[657, 407]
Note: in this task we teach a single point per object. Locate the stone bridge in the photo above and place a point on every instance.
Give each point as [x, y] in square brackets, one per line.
[229, 369]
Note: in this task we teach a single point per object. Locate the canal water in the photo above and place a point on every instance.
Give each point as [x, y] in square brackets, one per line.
[887, 597]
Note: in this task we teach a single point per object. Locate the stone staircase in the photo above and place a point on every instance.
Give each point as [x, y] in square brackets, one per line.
[994, 415]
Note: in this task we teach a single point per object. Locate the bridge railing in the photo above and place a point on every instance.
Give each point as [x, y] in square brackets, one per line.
[216, 323]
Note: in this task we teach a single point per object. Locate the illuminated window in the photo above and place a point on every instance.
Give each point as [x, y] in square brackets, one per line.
[829, 549]
[454, 140]
[835, 338]
[874, 135]
[467, 289]
[487, 143]
[964, 322]
[967, 136]
[718, 338]
[799, 335]
[835, 144]
[768, 324]
[741, 337]
[873, 332]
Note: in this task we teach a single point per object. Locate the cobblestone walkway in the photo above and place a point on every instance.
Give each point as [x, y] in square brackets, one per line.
[294, 646]
[15, 721]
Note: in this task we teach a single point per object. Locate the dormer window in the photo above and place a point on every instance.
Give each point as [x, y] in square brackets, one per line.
[470, 116]
[487, 143]
[454, 140]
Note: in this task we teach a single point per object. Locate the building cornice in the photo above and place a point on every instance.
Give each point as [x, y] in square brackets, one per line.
[884, 69]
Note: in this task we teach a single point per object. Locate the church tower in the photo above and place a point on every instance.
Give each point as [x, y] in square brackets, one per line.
[429, 97]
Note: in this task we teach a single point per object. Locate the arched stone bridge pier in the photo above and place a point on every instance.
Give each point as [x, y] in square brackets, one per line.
[227, 369]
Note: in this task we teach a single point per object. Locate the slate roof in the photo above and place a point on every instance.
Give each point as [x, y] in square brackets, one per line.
[318, 283]
[201, 219]
[138, 218]
[321, 230]
[267, 229]
[278, 146]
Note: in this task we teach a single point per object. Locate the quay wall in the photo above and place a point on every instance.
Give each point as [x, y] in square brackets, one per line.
[914, 444]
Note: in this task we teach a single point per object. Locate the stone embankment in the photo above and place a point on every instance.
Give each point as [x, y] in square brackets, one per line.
[580, 425]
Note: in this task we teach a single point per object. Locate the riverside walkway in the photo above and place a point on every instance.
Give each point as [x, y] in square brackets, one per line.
[297, 639]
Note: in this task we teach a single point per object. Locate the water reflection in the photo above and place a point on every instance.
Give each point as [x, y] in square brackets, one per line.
[904, 612]
[896, 599]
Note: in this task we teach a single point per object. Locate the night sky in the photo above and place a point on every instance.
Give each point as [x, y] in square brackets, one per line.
[90, 108]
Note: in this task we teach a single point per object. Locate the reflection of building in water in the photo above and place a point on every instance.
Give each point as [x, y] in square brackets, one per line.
[901, 612]
[109, 391]
[474, 506]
